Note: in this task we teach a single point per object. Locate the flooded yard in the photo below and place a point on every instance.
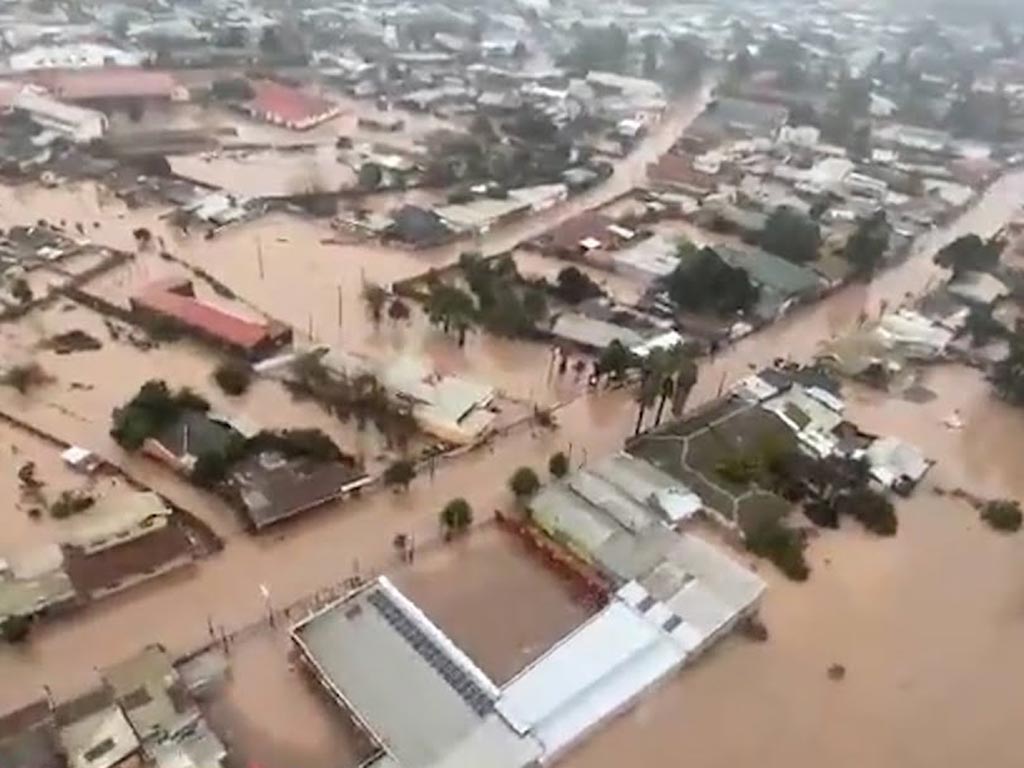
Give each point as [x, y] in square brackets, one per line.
[270, 713]
[22, 528]
[86, 387]
[496, 600]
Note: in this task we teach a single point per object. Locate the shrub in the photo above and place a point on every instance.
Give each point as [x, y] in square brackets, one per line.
[457, 515]
[233, 377]
[872, 509]
[25, 378]
[524, 483]
[558, 465]
[782, 545]
[1004, 515]
[739, 469]
[575, 286]
[400, 474]
[15, 629]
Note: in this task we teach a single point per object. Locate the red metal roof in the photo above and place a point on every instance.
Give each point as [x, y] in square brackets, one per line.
[109, 83]
[283, 104]
[207, 318]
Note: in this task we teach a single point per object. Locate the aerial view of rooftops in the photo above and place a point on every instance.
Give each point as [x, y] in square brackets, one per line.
[457, 384]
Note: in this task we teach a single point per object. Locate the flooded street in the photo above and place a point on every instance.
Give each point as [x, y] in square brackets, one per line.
[930, 625]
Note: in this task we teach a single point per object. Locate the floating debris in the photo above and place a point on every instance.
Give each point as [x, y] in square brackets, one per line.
[72, 341]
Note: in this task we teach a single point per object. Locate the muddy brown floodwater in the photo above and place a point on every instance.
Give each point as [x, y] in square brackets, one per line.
[928, 624]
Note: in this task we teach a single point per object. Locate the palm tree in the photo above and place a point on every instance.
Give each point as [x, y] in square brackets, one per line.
[375, 298]
[615, 359]
[686, 379]
[668, 388]
[650, 385]
[399, 311]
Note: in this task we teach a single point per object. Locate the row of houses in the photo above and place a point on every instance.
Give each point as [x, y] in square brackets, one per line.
[123, 539]
[142, 715]
[265, 485]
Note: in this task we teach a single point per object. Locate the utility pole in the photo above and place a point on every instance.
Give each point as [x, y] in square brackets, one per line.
[259, 256]
[340, 306]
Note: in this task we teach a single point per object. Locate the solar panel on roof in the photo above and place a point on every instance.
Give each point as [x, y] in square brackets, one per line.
[453, 674]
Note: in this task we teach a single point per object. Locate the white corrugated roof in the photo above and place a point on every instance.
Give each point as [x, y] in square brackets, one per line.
[596, 671]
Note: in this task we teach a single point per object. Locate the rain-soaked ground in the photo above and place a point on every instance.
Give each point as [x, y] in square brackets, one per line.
[929, 625]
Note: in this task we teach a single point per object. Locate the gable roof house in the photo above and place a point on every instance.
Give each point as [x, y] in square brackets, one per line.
[34, 584]
[93, 731]
[283, 105]
[151, 694]
[270, 487]
[174, 301]
[782, 282]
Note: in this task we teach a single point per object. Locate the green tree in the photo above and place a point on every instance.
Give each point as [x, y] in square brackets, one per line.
[791, 235]
[211, 469]
[868, 244]
[1004, 515]
[524, 483]
[981, 326]
[780, 544]
[558, 465]
[457, 516]
[153, 408]
[970, 253]
[452, 309]
[615, 360]
[646, 395]
[573, 286]
[400, 474]
[705, 283]
[375, 297]
[873, 509]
